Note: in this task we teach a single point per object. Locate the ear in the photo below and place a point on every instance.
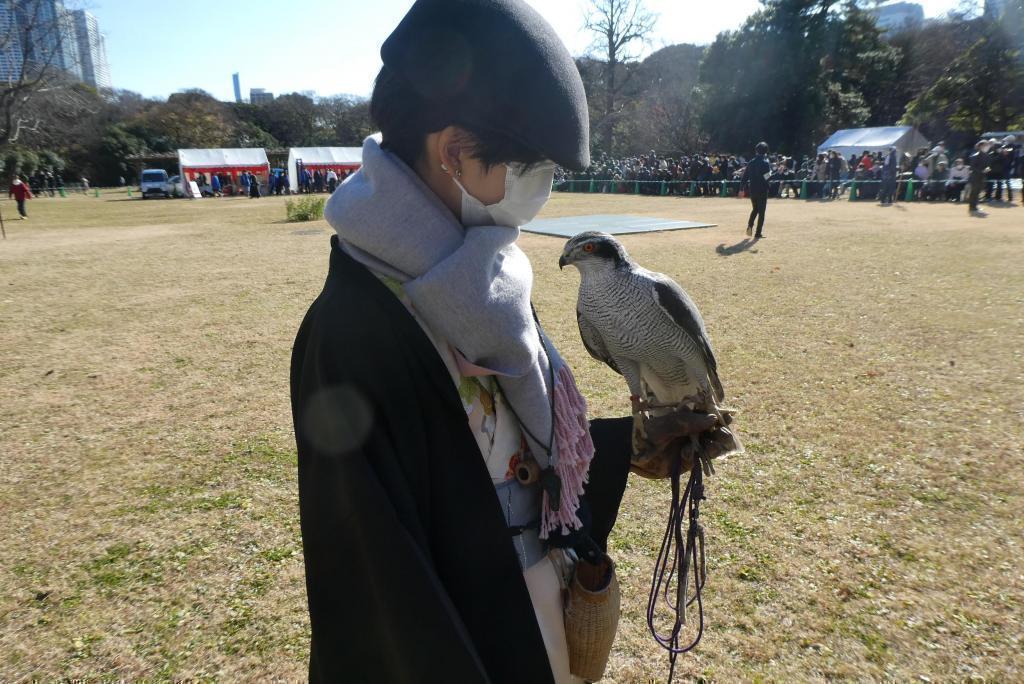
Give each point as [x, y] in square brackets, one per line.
[450, 148]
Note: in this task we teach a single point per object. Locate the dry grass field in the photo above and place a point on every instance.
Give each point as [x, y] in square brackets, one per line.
[872, 531]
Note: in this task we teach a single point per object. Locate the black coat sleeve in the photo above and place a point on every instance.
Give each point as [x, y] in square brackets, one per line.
[378, 610]
[609, 471]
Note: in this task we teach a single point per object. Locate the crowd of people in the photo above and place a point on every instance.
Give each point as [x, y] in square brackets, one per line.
[52, 182]
[247, 184]
[932, 175]
[24, 187]
[927, 174]
[44, 181]
[309, 182]
[318, 180]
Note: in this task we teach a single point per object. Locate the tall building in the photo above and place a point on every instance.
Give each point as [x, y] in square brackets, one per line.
[238, 87]
[260, 96]
[897, 16]
[43, 33]
[71, 58]
[92, 50]
[10, 51]
[46, 35]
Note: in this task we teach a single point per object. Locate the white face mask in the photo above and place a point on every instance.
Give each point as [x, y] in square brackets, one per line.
[525, 195]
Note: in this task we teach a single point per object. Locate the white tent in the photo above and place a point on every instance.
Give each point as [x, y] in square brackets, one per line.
[228, 162]
[323, 158]
[856, 140]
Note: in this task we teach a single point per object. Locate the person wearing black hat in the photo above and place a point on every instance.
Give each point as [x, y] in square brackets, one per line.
[444, 453]
[755, 180]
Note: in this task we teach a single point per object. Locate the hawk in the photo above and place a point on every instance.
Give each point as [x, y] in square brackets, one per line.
[648, 330]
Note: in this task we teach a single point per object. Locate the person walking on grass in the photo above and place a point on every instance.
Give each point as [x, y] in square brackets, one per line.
[20, 191]
[755, 182]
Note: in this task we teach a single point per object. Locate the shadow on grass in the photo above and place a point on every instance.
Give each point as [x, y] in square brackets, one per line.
[741, 246]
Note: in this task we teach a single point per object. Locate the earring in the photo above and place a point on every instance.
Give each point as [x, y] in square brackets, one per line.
[458, 173]
[444, 167]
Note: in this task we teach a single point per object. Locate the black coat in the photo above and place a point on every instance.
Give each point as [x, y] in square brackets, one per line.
[756, 175]
[411, 575]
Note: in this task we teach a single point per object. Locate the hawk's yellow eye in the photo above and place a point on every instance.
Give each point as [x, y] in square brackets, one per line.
[588, 247]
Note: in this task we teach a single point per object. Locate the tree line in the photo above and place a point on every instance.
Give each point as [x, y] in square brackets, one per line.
[798, 70]
[794, 72]
[97, 135]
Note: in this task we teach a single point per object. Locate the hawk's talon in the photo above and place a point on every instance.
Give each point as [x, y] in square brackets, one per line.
[640, 406]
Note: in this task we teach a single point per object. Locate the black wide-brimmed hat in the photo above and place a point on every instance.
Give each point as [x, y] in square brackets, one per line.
[498, 66]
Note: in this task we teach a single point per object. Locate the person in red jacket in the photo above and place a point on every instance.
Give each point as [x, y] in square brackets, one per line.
[20, 192]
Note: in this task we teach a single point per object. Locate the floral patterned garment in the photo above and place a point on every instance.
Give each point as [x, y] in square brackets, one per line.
[503, 445]
[492, 423]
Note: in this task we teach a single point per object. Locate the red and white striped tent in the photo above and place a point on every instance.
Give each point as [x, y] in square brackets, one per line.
[341, 159]
[230, 162]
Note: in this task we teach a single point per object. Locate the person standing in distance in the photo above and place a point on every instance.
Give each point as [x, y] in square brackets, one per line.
[890, 170]
[755, 181]
[979, 167]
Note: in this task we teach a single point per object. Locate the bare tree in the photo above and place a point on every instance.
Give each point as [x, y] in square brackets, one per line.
[38, 55]
[617, 24]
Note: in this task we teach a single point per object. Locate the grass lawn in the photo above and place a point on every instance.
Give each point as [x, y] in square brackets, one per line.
[872, 531]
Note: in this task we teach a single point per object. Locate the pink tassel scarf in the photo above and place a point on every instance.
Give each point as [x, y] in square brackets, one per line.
[575, 451]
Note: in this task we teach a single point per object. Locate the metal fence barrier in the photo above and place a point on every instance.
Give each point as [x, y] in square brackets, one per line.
[906, 189]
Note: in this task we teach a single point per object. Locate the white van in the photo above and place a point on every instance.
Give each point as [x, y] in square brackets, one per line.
[154, 182]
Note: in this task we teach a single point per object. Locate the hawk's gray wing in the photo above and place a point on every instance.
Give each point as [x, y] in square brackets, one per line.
[677, 304]
[593, 342]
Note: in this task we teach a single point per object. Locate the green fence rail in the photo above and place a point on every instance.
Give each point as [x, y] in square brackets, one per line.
[908, 190]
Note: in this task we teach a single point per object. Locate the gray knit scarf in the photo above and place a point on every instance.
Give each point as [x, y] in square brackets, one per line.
[472, 287]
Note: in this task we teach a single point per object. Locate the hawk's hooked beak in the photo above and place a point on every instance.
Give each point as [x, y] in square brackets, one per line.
[561, 262]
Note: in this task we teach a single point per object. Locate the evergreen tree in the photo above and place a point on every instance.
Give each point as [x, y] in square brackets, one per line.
[980, 90]
[795, 71]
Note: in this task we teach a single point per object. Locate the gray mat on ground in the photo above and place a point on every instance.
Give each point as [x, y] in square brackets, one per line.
[616, 224]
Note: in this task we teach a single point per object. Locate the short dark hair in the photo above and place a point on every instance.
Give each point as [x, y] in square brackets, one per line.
[761, 148]
[405, 118]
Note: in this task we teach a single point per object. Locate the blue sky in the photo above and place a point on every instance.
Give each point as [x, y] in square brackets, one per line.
[329, 46]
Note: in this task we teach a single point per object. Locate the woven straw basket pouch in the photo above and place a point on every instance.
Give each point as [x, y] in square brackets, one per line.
[591, 618]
